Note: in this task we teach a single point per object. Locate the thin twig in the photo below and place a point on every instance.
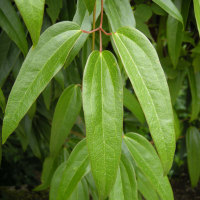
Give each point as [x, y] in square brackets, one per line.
[93, 27]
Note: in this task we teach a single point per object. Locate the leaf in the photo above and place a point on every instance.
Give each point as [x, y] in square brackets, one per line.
[193, 154]
[59, 77]
[31, 111]
[147, 77]
[10, 23]
[0, 145]
[196, 49]
[158, 10]
[47, 94]
[39, 67]
[77, 167]
[197, 13]
[2, 101]
[53, 9]
[194, 81]
[67, 110]
[32, 13]
[103, 109]
[143, 12]
[196, 63]
[148, 161]
[176, 125]
[90, 5]
[170, 8]
[130, 101]
[125, 186]
[119, 13]
[49, 167]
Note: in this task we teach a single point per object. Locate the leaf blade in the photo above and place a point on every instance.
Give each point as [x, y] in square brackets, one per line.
[197, 14]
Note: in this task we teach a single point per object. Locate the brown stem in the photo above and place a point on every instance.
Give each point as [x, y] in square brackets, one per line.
[93, 27]
[91, 31]
[77, 134]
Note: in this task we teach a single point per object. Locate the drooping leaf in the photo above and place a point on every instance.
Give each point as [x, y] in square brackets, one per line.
[119, 14]
[49, 167]
[125, 186]
[149, 83]
[38, 69]
[10, 23]
[194, 81]
[197, 13]
[53, 9]
[67, 110]
[130, 101]
[148, 161]
[77, 167]
[90, 5]
[103, 108]
[2, 101]
[32, 13]
[193, 154]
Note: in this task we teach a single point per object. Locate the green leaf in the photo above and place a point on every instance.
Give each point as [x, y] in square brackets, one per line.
[32, 13]
[31, 111]
[103, 108]
[143, 12]
[53, 9]
[149, 83]
[49, 167]
[77, 167]
[47, 94]
[125, 186]
[196, 63]
[193, 154]
[0, 145]
[10, 23]
[130, 101]
[158, 10]
[2, 101]
[67, 110]
[170, 8]
[59, 77]
[119, 13]
[197, 13]
[90, 5]
[176, 125]
[194, 81]
[196, 49]
[38, 69]
[148, 161]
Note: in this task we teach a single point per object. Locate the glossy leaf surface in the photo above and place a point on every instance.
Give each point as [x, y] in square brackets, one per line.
[67, 110]
[32, 13]
[197, 13]
[38, 69]
[147, 77]
[10, 23]
[103, 108]
[90, 5]
[77, 167]
[148, 161]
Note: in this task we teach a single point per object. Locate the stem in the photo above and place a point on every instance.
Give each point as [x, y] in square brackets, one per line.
[100, 27]
[93, 27]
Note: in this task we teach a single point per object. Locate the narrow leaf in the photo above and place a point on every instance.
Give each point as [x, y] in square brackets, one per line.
[47, 94]
[67, 110]
[31, 111]
[148, 161]
[32, 13]
[149, 83]
[2, 101]
[176, 125]
[103, 108]
[59, 77]
[10, 23]
[38, 69]
[197, 13]
[90, 5]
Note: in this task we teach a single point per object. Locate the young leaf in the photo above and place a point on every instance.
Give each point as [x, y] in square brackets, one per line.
[194, 80]
[197, 13]
[2, 101]
[147, 77]
[90, 5]
[10, 23]
[130, 101]
[32, 13]
[193, 154]
[38, 69]
[77, 167]
[67, 110]
[148, 161]
[125, 186]
[49, 167]
[103, 108]
[119, 13]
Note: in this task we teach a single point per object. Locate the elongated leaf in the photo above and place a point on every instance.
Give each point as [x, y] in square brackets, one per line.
[59, 77]
[31, 111]
[125, 186]
[177, 125]
[38, 69]
[67, 110]
[147, 77]
[47, 94]
[196, 63]
[90, 5]
[32, 13]
[2, 101]
[10, 23]
[193, 154]
[194, 80]
[197, 13]
[148, 161]
[77, 167]
[49, 167]
[169, 7]
[103, 108]
[130, 101]
[119, 13]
